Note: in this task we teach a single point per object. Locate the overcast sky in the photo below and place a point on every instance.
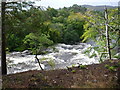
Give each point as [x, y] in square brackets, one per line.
[61, 3]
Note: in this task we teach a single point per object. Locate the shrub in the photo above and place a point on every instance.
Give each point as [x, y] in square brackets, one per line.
[83, 66]
[107, 66]
[51, 63]
[111, 68]
[73, 71]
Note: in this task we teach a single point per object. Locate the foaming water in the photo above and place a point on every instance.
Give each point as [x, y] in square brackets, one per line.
[61, 54]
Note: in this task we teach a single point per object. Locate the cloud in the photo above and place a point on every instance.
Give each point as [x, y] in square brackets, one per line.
[67, 3]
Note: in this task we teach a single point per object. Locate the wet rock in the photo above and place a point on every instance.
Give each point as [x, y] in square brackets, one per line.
[64, 56]
[64, 46]
[26, 52]
[49, 50]
[17, 54]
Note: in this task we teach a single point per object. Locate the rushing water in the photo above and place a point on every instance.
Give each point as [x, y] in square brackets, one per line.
[62, 55]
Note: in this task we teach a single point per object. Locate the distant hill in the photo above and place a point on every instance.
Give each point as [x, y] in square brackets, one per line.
[98, 8]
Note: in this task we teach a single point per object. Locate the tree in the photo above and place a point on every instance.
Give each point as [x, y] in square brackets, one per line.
[16, 26]
[52, 12]
[5, 6]
[3, 55]
[107, 34]
[95, 30]
[74, 28]
[37, 42]
[76, 8]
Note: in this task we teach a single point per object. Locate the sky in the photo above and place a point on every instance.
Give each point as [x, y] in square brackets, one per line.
[66, 3]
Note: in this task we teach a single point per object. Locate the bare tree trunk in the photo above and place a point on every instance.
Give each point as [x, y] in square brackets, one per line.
[119, 27]
[3, 52]
[37, 58]
[39, 62]
[107, 34]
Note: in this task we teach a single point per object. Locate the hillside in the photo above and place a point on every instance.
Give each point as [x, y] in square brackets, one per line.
[98, 8]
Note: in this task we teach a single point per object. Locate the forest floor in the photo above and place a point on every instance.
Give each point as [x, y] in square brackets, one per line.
[93, 76]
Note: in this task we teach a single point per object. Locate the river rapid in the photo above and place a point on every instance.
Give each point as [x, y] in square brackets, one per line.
[61, 54]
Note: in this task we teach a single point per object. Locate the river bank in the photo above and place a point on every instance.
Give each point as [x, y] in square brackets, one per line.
[92, 76]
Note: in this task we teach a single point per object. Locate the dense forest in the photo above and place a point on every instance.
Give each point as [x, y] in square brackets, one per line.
[36, 28]
[27, 26]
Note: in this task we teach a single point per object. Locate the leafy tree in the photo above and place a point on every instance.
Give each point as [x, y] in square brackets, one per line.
[52, 12]
[15, 26]
[70, 37]
[75, 22]
[76, 8]
[34, 43]
[95, 29]
[56, 32]
[74, 28]
[22, 19]
[63, 12]
[26, 24]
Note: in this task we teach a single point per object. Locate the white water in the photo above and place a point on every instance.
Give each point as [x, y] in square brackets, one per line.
[63, 55]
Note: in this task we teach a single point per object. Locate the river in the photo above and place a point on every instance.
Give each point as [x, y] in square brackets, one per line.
[61, 54]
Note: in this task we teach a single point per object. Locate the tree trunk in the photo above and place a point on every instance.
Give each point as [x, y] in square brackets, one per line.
[37, 58]
[39, 62]
[119, 28]
[3, 51]
[107, 34]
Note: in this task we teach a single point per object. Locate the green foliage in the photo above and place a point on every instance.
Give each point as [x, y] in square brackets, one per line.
[75, 22]
[95, 30]
[83, 66]
[73, 65]
[51, 62]
[30, 27]
[52, 12]
[119, 64]
[111, 68]
[20, 21]
[73, 71]
[90, 33]
[107, 66]
[117, 56]
[70, 37]
[34, 28]
[93, 55]
[90, 51]
[76, 8]
[32, 41]
[43, 59]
